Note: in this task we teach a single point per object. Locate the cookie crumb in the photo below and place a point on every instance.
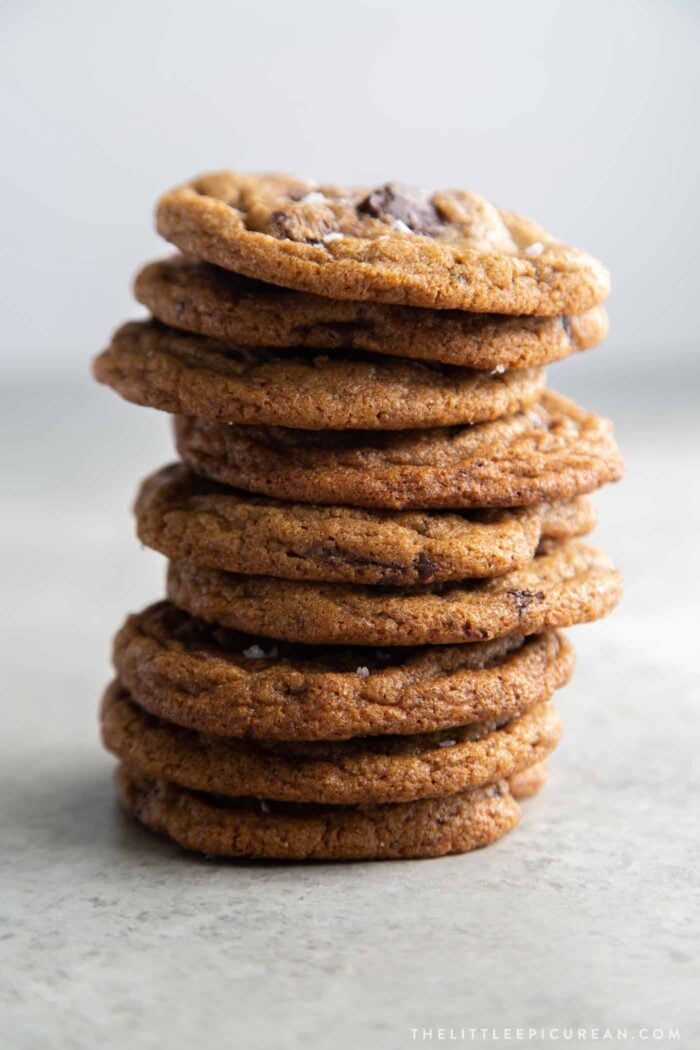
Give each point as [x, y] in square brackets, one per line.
[362, 672]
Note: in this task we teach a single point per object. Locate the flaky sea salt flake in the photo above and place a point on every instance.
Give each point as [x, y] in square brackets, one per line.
[254, 652]
[313, 198]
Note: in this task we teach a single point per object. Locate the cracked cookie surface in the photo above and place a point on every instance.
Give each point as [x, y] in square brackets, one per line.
[554, 450]
[215, 680]
[188, 517]
[393, 244]
[571, 583]
[207, 300]
[160, 367]
[363, 770]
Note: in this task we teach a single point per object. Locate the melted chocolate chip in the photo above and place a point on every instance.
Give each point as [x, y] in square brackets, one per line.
[264, 806]
[472, 634]
[426, 567]
[293, 228]
[523, 598]
[404, 204]
[282, 223]
[341, 332]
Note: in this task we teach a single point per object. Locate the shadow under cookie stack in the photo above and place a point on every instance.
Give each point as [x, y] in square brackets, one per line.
[374, 530]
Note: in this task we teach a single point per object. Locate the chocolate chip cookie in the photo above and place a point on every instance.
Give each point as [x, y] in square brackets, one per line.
[207, 300]
[160, 367]
[363, 770]
[448, 250]
[186, 516]
[243, 827]
[552, 451]
[529, 781]
[215, 680]
[571, 583]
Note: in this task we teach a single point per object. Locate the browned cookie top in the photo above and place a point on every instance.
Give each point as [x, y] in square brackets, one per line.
[572, 583]
[551, 451]
[228, 683]
[197, 297]
[221, 826]
[392, 244]
[186, 516]
[367, 769]
[161, 367]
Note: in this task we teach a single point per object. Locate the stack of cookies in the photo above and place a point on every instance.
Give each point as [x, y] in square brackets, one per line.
[374, 529]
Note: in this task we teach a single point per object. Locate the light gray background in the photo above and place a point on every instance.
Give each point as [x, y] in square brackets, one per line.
[585, 116]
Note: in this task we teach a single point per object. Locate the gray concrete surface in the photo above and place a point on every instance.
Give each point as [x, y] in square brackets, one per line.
[586, 915]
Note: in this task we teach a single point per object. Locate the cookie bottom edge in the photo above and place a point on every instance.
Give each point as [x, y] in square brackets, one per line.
[255, 829]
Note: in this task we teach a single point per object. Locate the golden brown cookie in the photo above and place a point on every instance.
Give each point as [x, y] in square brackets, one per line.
[190, 375]
[529, 781]
[366, 769]
[207, 300]
[186, 516]
[392, 244]
[225, 827]
[552, 451]
[572, 583]
[219, 681]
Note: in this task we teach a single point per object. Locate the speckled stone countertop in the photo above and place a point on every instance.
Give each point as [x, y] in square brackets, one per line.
[584, 916]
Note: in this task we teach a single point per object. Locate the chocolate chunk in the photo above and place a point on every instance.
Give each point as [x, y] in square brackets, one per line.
[472, 634]
[426, 567]
[334, 555]
[293, 227]
[342, 333]
[523, 597]
[403, 203]
[283, 224]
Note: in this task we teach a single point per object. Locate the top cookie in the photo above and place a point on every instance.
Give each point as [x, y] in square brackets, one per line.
[447, 250]
[192, 295]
